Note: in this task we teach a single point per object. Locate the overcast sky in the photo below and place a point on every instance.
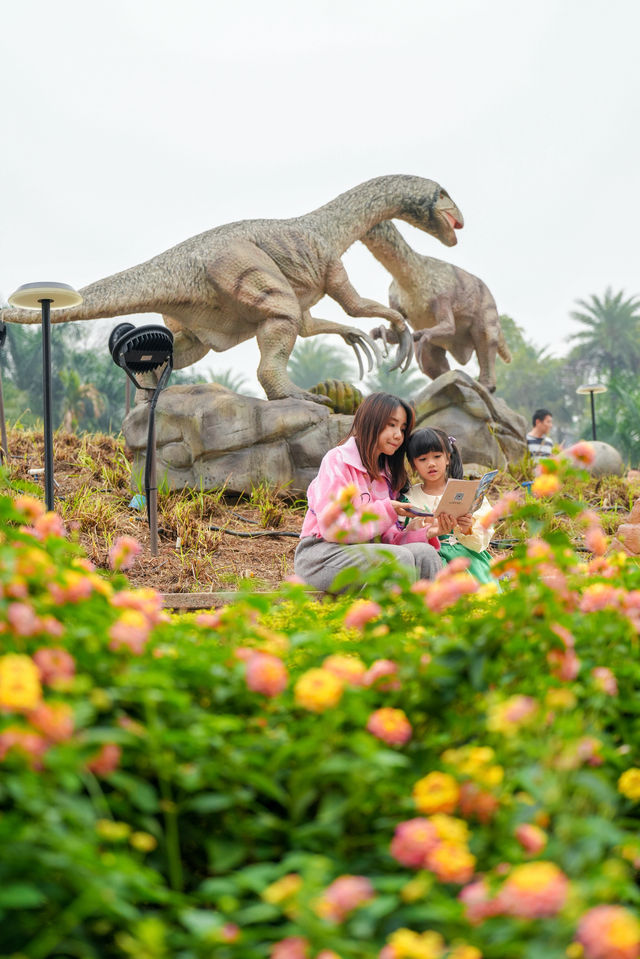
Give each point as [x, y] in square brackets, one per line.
[134, 124]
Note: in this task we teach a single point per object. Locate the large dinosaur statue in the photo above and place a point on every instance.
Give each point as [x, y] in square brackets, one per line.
[450, 309]
[261, 277]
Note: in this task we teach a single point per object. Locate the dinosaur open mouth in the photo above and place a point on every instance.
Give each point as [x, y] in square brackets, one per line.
[452, 220]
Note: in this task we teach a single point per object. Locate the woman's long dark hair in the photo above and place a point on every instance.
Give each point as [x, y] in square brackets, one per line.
[431, 440]
[371, 418]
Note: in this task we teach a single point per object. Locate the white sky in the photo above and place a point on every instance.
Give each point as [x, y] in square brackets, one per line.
[134, 124]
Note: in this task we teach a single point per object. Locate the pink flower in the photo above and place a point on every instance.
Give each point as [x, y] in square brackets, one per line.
[478, 903]
[48, 524]
[29, 506]
[106, 760]
[565, 665]
[589, 750]
[361, 613]
[343, 896]
[534, 891]
[531, 838]
[447, 590]
[563, 633]
[582, 452]
[350, 669]
[390, 725]
[293, 947]
[210, 620]
[596, 541]
[132, 630]
[146, 601]
[31, 744]
[609, 932]
[412, 841]
[605, 680]
[380, 669]
[598, 596]
[505, 505]
[230, 932]
[54, 664]
[123, 553]
[266, 674]
[23, 620]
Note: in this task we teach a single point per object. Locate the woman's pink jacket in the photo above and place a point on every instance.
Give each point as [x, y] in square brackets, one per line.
[342, 467]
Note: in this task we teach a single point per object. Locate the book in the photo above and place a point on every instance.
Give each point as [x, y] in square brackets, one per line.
[464, 496]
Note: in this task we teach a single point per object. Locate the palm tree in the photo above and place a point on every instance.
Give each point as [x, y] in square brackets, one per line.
[82, 401]
[314, 360]
[405, 385]
[231, 380]
[610, 341]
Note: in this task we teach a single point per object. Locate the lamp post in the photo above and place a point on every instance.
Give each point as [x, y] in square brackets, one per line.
[141, 350]
[45, 297]
[591, 389]
[4, 446]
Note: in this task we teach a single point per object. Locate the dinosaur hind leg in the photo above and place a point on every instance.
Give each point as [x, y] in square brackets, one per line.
[432, 360]
[276, 338]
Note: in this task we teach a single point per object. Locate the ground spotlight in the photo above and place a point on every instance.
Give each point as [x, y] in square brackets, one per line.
[139, 350]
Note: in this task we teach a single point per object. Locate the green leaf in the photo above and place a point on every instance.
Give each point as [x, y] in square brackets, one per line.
[21, 895]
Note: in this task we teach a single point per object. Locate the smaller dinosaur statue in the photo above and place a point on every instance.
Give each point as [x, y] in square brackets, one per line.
[449, 309]
[260, 278]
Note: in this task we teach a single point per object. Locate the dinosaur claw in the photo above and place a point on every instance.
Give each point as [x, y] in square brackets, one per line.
[404, 354]
[362, 342]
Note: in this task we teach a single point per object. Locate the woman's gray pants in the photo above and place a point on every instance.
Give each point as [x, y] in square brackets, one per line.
[318, 562]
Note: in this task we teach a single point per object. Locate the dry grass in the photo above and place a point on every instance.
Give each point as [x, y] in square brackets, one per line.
[93, 492]
[93, 473]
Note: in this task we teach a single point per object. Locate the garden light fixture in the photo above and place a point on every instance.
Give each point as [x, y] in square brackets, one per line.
[591, 389]
[139, 350]
[45, 297]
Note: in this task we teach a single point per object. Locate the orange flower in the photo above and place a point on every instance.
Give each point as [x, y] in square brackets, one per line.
[54, 665]
[54, 720]
[345, 894]
[451, 862]
[531, 838]
[534, 890]
[412, 840]
[545, 485]
[106, 760]
[436, 792]
[131, 629]
[350, 669]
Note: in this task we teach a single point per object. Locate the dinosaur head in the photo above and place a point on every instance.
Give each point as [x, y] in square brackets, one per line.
[435, 213]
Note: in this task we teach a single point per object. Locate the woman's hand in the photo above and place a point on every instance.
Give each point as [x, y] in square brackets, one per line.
[465, 524]
[446, 522]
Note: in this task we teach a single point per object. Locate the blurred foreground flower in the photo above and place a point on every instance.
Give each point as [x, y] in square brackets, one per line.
[407, 944]
[390, 725]
[533, 891]
[545, 485]
[345, 894]
[609, 932]
[318, 690]
[266, 674]
[20, 687]
[361, 613]
[124, 552]
[436, 792]
[629, 783]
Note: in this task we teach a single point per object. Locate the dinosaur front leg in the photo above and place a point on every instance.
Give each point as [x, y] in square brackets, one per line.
[356, 339]
[431, 359]
[339, 288]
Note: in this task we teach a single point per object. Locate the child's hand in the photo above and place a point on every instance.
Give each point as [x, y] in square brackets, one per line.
[465, 524]
[446, 522]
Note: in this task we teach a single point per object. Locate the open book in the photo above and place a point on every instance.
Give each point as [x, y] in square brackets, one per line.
[464, 496]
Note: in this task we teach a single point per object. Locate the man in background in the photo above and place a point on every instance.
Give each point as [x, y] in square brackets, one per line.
[539, 443]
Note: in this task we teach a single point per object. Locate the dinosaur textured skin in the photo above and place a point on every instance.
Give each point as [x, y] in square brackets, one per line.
[449, 309]
[262, 277]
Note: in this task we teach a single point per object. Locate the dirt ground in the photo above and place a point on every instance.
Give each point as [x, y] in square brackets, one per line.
[93, 494]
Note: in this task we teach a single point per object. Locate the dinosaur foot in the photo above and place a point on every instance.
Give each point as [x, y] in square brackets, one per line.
[360, 341]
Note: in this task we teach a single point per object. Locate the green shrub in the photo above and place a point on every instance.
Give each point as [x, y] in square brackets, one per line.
[194, 786]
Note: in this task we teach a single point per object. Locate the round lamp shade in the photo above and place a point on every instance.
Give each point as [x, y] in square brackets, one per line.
[595, 388]
[29, 295]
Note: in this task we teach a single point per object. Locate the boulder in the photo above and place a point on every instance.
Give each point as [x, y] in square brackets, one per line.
[607, 461]
[208, 436]
[488, 433]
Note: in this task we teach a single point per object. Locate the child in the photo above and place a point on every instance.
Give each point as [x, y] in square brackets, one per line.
[353, 512]
[435, 457]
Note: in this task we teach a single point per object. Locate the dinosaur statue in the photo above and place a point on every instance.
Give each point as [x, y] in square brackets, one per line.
[450, 309]
[261, 277]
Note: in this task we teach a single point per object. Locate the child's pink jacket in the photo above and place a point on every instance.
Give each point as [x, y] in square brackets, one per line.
[341, 467]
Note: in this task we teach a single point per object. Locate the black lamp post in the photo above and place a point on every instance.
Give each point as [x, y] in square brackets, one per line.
[143, 349]
[591, 389]
[45, 297]
[4, 449]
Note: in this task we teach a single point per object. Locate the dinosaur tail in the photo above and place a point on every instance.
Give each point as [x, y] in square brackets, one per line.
[149, 287]
[503, 350]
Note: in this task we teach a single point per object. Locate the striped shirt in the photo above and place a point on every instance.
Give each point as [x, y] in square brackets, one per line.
[539, 446]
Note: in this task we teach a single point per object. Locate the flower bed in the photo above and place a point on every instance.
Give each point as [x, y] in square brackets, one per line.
[433, 772]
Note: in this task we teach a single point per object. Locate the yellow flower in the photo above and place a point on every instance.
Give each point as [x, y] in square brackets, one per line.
[318, 690]
[465, 952]
[112, 831]
[143, 841]
[561, 698]
[450, 829]
[19, 682]
[436, 792]
[282, 889]
[407, 944]
[629, 783]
